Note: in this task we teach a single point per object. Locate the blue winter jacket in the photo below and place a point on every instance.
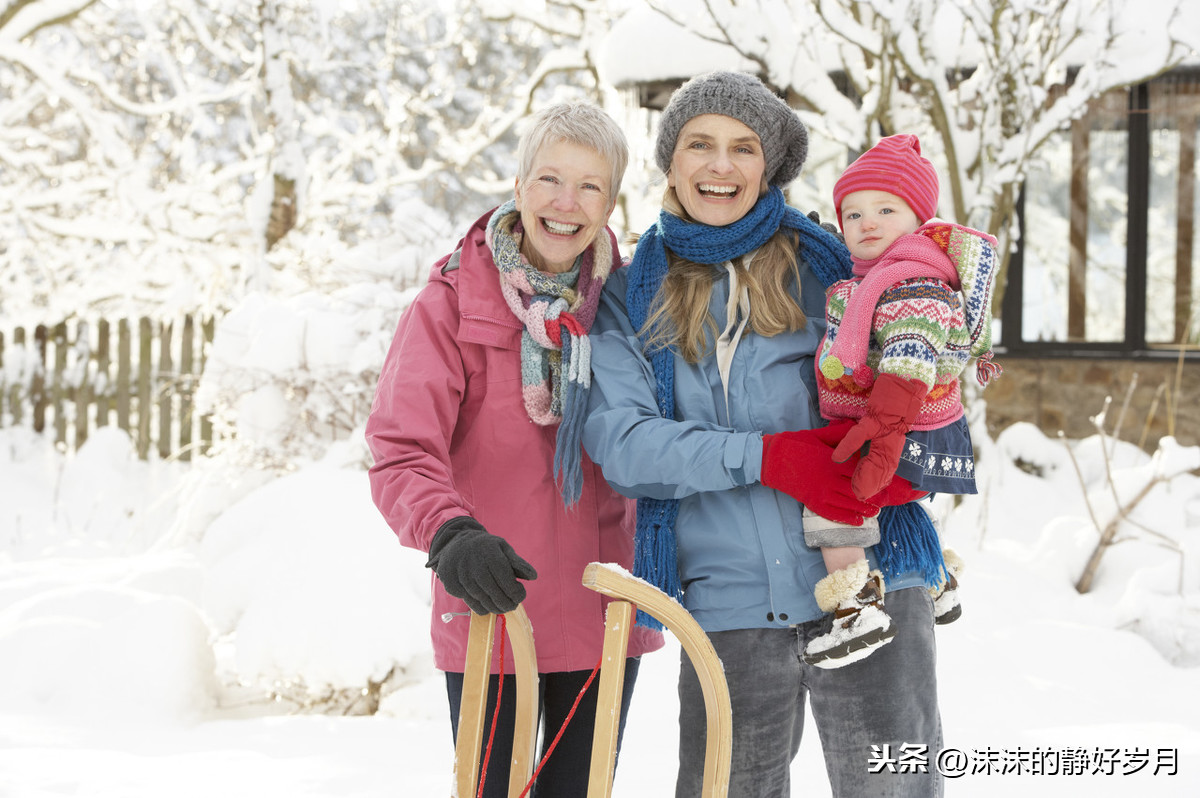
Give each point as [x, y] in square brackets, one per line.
[743, 562]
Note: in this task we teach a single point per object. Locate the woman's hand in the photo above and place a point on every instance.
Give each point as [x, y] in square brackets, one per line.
[478, 567]
[800, 463]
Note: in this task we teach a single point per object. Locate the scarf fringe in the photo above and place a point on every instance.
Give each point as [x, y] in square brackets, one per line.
[987, 369]
[568, 449]
[654, 552]
[909, 542]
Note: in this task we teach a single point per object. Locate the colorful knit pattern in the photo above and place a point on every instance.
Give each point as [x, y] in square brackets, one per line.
[918, 332]
[921, 326]
[556, 367]
[973, 254]
[908, 257]
[844, 398]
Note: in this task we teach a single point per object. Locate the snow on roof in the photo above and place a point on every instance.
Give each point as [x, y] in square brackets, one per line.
[645, 46]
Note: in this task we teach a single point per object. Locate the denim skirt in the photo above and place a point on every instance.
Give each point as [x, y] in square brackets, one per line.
[940, 460]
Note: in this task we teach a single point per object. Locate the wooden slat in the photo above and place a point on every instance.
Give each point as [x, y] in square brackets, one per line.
[37, 389]
[187, 385]
[104, 401]
[83, 391]
[3, 382]
[144, 383]
[16, 391]
[124, 374]
[206, 431]
[58, 388]
[166, 367]
[525, 725]
[74, 378]
[473, 705]
[618, 624]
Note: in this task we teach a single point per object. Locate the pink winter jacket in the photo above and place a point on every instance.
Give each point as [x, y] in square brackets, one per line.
[450, 437]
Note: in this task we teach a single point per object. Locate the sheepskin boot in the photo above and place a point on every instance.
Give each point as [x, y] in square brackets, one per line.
[946, 605]
[858, 624]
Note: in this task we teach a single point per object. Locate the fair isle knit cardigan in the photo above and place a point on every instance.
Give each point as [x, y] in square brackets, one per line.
[919, 331]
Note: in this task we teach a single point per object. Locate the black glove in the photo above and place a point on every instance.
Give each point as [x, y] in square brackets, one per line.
[828, 227]
[478, 567]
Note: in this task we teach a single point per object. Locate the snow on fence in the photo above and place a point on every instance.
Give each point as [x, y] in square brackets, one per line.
[72, 378]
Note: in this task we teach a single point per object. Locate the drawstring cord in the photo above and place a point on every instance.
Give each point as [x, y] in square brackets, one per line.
[496, 714]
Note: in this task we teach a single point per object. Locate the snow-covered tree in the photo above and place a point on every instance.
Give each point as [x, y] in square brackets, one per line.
[108, 164]
[985, 84]
[408, 134]
[188, 156]
[184, 141]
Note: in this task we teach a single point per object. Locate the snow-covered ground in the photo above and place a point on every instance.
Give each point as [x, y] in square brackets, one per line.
[148, 609]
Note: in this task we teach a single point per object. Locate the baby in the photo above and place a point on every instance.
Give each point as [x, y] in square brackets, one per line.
[900, 332]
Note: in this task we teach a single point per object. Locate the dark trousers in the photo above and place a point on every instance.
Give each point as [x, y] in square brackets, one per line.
[888, 699]
[565, 774]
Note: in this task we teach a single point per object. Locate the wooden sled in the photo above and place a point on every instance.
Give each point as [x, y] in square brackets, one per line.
[629, 594]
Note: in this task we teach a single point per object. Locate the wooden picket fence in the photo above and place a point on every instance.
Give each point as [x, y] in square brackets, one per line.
[70, 379]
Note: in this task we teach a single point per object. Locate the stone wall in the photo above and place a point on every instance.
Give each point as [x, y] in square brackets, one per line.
[1064, 394]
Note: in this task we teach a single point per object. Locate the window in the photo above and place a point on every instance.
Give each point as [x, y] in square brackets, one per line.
[1109, 245]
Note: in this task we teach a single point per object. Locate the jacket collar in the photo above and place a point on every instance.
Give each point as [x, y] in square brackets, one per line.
[476, 279]
[486, 316]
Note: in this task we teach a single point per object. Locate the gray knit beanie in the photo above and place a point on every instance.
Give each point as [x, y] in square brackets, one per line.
[746, 99]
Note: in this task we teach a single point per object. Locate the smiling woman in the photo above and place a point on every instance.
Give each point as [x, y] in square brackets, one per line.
[703, 408]
[475, 431]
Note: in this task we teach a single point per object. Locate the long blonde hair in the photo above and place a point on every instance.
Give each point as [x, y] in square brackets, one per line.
[679, 314]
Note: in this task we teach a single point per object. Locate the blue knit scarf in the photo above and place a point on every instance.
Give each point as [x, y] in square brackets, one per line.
[654, 545]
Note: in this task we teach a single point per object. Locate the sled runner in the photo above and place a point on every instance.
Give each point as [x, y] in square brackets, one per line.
[474, 702]
[629, 594]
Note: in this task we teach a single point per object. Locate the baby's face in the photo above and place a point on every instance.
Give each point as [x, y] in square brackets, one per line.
[872, 220]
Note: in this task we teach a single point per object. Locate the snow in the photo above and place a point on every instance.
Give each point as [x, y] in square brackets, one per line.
[165, 629]
[646, 45]
[216, 628]
[1016, 53]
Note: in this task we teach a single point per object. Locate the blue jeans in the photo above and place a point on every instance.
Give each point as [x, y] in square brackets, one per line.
[887, 699]
[565, 773]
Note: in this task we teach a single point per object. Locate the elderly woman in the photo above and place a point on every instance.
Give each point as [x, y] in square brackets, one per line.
[702, 403]
[475, 433]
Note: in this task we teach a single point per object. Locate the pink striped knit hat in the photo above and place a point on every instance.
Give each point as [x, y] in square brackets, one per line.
[893, 165]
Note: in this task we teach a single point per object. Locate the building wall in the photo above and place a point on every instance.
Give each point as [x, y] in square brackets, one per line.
[1064, 394]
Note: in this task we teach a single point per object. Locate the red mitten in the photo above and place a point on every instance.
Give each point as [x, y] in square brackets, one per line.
[898, 491]
[800, 464]
[893, 406]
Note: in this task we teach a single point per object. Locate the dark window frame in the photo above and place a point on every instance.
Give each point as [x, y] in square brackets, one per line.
[1134, 346]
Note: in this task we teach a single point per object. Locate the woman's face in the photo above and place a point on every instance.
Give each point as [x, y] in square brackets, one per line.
[564, 202]
[717, 169]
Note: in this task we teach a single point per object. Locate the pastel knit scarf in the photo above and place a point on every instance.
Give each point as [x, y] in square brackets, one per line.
[654, 543]
[908, 257]
[556, 356]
